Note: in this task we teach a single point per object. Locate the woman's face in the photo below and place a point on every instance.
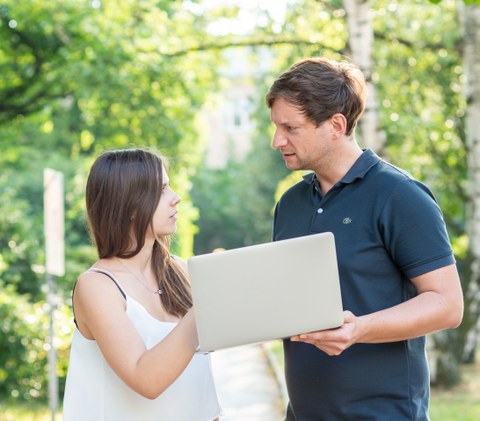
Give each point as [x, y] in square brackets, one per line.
[165, 216]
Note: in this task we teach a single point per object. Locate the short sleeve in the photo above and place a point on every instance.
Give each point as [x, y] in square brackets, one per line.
[414, 230]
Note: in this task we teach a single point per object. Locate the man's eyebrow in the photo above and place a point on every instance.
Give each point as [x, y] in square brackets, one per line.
[289, 123]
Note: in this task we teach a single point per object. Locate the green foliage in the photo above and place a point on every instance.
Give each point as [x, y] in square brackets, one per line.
[236, 203]
[80, 77]
[219, 209]
[470, 2]
[422, 108]
[23, 351]
[19, 238]
[76, 78]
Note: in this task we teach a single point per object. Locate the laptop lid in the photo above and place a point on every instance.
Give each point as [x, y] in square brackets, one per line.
[267, 291]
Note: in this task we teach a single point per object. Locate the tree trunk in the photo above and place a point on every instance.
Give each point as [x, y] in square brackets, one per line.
[451, 347]
[470, 19]
[360, 45]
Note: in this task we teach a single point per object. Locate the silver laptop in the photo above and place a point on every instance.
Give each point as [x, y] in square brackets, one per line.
[267, 291]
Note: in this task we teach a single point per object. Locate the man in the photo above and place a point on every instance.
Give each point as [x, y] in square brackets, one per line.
[398, 276]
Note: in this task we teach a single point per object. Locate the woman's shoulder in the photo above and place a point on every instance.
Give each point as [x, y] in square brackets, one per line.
[95, 280]
[94, 273]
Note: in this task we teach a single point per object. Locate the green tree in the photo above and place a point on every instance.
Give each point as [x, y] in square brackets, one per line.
[418, 74]
[23, 355]
[78, 77]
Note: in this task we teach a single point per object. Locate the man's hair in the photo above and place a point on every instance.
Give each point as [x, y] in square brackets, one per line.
[123, 191]
[320, 88]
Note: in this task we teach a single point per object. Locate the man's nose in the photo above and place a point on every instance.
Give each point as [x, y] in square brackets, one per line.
[279, 140]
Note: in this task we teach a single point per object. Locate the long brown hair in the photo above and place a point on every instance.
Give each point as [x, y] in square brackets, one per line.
[321, 88]
[122, 194]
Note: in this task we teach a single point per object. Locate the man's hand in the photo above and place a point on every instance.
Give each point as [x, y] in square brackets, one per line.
[333, 341]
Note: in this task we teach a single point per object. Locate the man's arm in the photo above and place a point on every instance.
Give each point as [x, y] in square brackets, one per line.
[438, 305]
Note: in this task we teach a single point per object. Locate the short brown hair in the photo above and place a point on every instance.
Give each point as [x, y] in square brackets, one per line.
[320, 88]
[122, 194]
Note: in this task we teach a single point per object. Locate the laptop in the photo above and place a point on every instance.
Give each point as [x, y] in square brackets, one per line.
[267, 291]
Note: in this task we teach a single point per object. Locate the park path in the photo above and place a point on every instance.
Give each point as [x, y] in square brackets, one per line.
[248, 384]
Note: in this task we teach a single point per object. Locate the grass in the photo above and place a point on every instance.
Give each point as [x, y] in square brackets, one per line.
[26, 412]
[461, 403]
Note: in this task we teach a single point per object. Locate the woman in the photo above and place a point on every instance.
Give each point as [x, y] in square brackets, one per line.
[133, 350]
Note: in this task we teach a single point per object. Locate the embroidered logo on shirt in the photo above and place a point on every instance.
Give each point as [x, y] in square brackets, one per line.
[347, 220]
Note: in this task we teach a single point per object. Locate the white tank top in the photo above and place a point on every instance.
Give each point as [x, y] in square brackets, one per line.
[94, 392]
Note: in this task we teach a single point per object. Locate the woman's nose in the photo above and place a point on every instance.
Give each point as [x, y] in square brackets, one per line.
[176, 198]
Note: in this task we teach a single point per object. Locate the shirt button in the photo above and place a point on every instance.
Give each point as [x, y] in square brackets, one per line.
[320, 210]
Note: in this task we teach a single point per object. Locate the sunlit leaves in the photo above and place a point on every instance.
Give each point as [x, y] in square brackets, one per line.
[23, 351]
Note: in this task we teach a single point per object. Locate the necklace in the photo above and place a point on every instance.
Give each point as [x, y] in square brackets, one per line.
[156, 292]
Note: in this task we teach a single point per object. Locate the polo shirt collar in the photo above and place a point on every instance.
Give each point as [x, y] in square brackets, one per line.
[361, 166]
[358, 170]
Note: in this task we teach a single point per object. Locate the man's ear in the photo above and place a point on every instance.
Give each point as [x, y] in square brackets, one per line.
[339, 125]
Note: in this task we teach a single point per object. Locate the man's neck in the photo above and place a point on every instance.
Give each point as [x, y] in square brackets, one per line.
[338, 166]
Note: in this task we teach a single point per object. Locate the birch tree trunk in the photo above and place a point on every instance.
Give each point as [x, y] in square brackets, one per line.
[360, 45]
[450, 347]
[470, 20]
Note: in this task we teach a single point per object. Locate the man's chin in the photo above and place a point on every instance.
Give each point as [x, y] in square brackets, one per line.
[292, 166]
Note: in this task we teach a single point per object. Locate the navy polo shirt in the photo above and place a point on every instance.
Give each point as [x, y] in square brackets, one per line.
[388, 228]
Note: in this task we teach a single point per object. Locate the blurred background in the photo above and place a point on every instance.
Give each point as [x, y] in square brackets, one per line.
[188, 78]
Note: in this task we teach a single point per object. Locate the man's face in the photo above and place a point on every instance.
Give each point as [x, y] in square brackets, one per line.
[302, 144]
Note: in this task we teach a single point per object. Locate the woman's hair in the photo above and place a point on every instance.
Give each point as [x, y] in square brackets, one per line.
[122, 194]
[321, 88]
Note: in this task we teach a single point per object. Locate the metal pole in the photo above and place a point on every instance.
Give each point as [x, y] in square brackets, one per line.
[53, 203]
[52, 357]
